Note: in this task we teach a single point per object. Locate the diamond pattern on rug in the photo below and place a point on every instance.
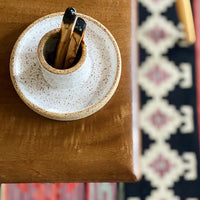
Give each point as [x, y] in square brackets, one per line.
[156, 35]
[157, 6]
[159, 119]
[162, 194]
[158, 76]
[160, 165]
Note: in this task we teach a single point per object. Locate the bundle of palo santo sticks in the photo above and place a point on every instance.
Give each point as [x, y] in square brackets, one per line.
[72, 33]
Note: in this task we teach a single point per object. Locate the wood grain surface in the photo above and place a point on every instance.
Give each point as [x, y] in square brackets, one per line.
[102, 147]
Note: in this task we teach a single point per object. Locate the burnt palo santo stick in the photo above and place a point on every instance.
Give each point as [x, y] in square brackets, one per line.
[67, 27]
[77, 37]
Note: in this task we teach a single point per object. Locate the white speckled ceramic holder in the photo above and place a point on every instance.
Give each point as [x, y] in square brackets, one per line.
[78, 92]
[63, 78]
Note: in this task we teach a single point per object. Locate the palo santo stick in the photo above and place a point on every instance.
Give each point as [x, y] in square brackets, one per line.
[184, 12]
[77, 36]
[67, 27]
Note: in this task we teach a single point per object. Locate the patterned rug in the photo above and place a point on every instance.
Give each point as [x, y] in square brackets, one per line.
[170, 161]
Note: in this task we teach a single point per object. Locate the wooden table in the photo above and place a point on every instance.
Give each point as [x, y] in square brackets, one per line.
[100, 148]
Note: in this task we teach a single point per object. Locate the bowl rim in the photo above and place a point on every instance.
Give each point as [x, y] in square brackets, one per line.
[78, 114]
[51, 69]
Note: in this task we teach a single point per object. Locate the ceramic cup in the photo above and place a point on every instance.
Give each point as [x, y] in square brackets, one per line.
[62, 78]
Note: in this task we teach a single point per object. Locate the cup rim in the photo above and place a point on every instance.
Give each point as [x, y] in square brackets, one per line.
[51, 69]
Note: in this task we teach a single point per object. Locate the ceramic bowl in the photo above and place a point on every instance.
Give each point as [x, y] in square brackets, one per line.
[55, 100]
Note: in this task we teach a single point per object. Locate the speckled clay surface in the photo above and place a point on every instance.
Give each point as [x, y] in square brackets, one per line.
[79, 100]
